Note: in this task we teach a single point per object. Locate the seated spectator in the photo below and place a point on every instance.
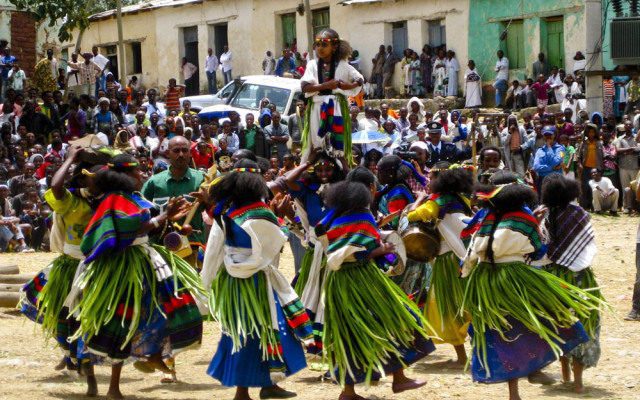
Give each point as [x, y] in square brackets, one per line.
[10, 233]
[605, 195]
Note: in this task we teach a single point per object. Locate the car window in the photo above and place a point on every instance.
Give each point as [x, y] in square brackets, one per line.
[250, 94]
[226, 91]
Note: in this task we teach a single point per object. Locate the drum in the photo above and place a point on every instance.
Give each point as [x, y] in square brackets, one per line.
[421, 240]
[394, 238]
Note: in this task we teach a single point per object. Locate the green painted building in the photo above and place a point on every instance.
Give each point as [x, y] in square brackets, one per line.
[522, 29]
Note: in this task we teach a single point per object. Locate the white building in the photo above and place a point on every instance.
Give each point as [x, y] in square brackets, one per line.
[158, 33]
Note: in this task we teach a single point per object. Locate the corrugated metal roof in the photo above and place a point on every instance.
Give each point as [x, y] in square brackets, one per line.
[143, 6]
[349, 2]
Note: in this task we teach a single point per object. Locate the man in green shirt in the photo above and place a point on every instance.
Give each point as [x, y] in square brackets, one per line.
[178, 180]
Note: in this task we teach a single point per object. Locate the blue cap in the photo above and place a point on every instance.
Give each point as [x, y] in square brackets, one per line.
[549, 130]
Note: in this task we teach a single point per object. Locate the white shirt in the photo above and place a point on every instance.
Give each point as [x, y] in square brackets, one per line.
[605, 184]
[225, 61]
[502, 69]
[211, 63]
[100, 60]
[188, 70]
[54, 67]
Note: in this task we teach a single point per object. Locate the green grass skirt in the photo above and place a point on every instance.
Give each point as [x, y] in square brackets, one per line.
[367, 318]
[118, 282]
[542, 302]
[242, 308]
[448, 287]
[51, 298]
[305, 269]
[585, 280]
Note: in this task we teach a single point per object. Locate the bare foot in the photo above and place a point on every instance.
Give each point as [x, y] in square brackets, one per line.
[578, 388]
[155, 361]
[114, 394]
[169, 378]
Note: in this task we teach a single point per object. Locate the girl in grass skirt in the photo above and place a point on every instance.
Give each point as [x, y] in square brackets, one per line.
[370, 326]
[522, 318]
[133, 291]
[327, 83]
[306, 189]
[262, 318]
[571, 248]
[393, 172]
[43, 297]
[447, 206]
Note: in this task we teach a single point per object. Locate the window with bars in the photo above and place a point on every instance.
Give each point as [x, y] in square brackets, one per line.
[320, 19]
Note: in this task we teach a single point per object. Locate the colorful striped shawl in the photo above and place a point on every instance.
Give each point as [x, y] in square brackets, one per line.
[449, 203]
[521, 221]
[394, 200]
[235, 217]
[115, 224]
[257, 210]
[359, 230]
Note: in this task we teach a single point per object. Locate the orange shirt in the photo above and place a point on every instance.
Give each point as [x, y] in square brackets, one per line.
[590, 159]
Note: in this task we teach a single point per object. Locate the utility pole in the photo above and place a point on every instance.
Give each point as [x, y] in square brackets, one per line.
[309, 18]
[121, 71]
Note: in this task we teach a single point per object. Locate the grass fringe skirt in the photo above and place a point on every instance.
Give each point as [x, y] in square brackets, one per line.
[446, 294]
[51, 298]
[367, 319]
[305, 268]
[542, 302]
[111, 306]
[585, 280]
[242, 308]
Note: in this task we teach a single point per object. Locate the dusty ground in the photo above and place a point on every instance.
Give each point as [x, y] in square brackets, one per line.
[27, 362]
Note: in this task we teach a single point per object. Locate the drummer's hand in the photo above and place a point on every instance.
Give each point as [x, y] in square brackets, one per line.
[177, 208]
[387, 248]
[540, 212]
[201, 195]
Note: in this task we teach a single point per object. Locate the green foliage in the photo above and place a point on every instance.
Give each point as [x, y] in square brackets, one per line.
[69, 14]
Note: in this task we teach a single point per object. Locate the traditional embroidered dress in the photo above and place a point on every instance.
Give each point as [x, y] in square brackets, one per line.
[446, 290]
[43, 297]
[327, 122]
[310, 209]
[262, 319]
[571, 251]
[130, 288]
[369, 326]
[415, 278]
[522, 318]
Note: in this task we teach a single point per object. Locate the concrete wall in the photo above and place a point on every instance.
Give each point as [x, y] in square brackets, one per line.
[255, 26]
[486, 20]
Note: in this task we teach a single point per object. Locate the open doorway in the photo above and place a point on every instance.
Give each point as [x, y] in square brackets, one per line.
[220, 38]
[190, 35]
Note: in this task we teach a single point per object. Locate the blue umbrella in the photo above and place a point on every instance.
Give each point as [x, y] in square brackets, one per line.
[367, 137]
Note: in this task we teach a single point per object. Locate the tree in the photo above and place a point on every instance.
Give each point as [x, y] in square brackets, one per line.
[74, 14]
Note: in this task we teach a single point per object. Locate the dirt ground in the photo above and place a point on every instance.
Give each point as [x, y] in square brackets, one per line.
[26, 361]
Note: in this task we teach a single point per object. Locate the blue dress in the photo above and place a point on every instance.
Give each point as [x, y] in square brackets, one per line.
[246, 366]
[522, 353]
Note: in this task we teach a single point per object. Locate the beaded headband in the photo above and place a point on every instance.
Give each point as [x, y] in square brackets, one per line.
[327, 40]
[246, 169]
[123, 165]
